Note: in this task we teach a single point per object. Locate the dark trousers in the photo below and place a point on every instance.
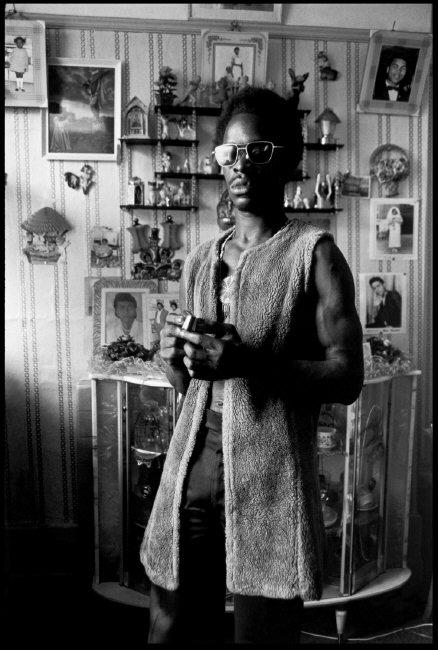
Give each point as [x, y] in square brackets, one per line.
[195, 612]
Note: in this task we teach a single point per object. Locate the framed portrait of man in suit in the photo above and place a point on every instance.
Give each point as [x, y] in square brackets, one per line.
[395, 72]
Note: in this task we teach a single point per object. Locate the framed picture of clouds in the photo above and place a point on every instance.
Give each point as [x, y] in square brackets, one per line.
[383, 300]
[393, 228]
[396, 69]
[234, 55]
[83, 117]
[25, 63]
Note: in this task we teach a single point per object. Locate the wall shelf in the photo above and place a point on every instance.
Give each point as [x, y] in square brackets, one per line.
[203, 110]
[173, 142]
[131, 206]
[313, 210]
[189, 175]
[317, 146]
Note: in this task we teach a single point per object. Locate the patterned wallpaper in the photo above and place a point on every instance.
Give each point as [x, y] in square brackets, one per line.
[47, 329]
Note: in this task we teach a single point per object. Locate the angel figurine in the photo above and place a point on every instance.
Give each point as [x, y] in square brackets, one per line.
[191, 94]
[326, 72]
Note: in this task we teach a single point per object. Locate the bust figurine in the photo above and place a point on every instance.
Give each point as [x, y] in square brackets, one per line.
[298, 201]
[323, 192]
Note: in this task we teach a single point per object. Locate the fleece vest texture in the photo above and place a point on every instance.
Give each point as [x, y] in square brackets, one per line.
[274, 531]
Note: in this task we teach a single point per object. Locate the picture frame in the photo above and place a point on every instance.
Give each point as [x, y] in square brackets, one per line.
[25, 81]
[378, 316]
[393, 229]
[84, 109]
[356, 186]
[244, 12]
[245, 53]
[400, 58]
[107, 325]
[155, 323]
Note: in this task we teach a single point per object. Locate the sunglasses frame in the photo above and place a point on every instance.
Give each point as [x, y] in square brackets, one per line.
[241, 147]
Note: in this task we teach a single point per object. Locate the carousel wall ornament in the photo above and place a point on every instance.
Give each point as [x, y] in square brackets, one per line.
[45, 236]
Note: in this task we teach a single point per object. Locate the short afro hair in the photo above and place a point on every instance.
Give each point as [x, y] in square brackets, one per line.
[282, 118]
[124, 297]
[376, 278]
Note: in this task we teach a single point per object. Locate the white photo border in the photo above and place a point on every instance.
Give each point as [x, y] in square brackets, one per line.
[374, 204]
[364, 290]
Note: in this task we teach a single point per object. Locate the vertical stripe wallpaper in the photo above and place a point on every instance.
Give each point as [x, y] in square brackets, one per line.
[47, 333]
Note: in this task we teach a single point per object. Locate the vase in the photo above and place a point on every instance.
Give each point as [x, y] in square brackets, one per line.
[390, 188]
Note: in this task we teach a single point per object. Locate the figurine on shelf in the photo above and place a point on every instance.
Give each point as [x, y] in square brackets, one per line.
[297, 87]
[326, 72]
[185, 131]
[206, 165]
[152, 193]
[323, 191]
[298, 202]
[287, 201]
[186, 166]
[308, 203]
[191, 95]
[165, 86]
[135, 195]
[180, 198]
[166, 161]
[164, 127]
[162, 194]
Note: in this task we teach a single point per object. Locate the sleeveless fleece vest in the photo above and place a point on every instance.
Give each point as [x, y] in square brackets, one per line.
[274, 529]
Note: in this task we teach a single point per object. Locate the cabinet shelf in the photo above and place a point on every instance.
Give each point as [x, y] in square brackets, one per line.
[317, 146]
[170, 142]
[202, 110]
[131, 206]
[313, 210]
[189, 175]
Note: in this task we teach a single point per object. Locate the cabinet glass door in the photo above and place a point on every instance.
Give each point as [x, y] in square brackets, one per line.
[149, 426]
[364, 490]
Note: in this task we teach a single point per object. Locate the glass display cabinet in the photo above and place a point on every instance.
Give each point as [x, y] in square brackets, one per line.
[365, 461]
[132, 422]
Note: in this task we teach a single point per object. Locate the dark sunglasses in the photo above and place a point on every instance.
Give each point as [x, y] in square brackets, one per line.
[258, 152]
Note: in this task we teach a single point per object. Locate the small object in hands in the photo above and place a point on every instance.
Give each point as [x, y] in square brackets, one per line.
[192, 324]
[326, 72]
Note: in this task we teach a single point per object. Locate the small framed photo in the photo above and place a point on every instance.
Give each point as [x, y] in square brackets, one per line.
[234, 54]
[396, 68]
[119, 308]
[383, 300]
[83, 117]
[105, 247]
[356, 186]
[158, 305]
[25, 63]
[241, 12]
[393, 228]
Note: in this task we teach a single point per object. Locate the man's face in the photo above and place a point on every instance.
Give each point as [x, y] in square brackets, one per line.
[378, 288]
[253, 187]
[397, 70]
[126, 311]
[159, 306]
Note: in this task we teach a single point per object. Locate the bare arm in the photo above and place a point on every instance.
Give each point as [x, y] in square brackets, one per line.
[336, 378]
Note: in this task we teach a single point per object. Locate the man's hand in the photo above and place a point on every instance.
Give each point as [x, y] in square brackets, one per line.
[213, 356]
[171, 346]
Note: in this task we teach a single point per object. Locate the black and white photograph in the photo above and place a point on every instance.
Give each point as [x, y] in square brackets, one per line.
[25, 63]
[83, 118]
[393, 228]
[383, 302]
[219, 325]
[396, 68]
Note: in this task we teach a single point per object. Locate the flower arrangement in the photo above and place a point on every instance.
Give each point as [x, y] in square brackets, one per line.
[389, 164]
[125, 356]
[386, 359]
[165, 85]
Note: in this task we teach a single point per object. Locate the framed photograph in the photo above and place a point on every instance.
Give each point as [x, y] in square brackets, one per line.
[235, 54]
[83, 117]
[395, 73]
[105, 247]
[383, 302]
[265, 13]
[25, 63]
[357, 186]
[119, 308]
[393, 228]
[158, 305]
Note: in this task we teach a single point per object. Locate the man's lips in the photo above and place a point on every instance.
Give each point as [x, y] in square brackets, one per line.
[239, 186]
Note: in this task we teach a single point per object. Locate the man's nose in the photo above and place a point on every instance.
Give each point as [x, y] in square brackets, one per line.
[242, 159]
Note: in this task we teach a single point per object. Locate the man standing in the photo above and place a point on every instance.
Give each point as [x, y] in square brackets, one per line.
[387, 305]
[394, 86]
